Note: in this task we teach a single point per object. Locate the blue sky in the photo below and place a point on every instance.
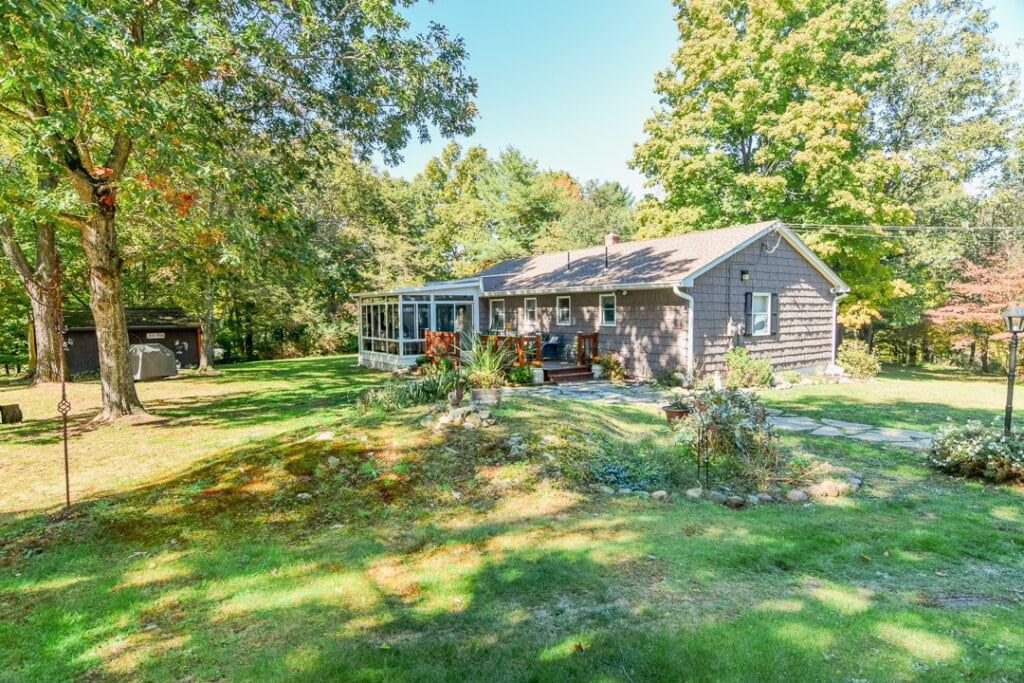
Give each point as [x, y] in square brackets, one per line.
[569, 82]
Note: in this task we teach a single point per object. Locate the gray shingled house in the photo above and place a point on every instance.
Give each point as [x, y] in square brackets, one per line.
[670, 302]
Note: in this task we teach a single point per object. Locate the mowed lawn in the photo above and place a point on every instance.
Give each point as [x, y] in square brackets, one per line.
[221, 542]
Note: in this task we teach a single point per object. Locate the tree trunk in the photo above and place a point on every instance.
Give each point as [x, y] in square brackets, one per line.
[39, 283]
[206, 359]
[106, 301]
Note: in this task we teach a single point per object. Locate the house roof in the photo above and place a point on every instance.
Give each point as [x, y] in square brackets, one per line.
[676, 260]
[136, 317]
[663, 261]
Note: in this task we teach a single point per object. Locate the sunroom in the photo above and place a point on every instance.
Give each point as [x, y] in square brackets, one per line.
[393, 324]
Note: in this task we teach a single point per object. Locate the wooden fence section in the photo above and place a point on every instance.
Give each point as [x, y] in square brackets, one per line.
[523, 350]
[586, 347]
[443, 345]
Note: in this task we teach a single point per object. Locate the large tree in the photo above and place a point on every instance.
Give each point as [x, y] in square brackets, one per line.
[111, 91]
[764, 114]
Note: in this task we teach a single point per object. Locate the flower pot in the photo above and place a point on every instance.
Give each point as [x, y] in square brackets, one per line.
[490, 396]
[597, 370]
[675, 413]
[538, 375]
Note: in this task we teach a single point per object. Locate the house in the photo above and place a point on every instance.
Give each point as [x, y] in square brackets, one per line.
[169, 327]
[665, 303]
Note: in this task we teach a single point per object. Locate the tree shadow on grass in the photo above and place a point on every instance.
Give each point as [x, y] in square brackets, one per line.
[380, 574]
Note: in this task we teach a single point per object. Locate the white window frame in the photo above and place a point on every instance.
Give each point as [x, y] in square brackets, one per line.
[600, 309]
[491, 311]
[558, 310]
[527, 317]
[766, 314]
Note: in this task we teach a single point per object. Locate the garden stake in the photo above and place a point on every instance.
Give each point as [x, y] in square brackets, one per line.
[64, 406]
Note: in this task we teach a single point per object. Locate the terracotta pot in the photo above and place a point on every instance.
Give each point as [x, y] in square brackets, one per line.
[675, 413]
[486, 397]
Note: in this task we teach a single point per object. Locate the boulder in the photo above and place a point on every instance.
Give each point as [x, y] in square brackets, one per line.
[607, 490]
[660, 495]
[735, 501]
[765, 497]
[753, 500]
[716, 497]
[796, 495]
[11, 414]
[625, 491]
[694, 493]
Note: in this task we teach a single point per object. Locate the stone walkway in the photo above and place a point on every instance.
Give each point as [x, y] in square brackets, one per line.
[650, 395]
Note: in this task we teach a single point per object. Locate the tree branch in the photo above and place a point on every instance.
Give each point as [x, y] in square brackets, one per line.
[119, 153]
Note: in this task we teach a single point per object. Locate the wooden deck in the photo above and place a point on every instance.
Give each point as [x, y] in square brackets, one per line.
[561, 371]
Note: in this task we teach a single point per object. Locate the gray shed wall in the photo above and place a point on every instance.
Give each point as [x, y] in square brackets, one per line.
[805, 328]
[650, 325]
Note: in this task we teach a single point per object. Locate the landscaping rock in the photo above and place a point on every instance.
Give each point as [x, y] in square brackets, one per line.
[469, 425]
[427, 421]
[625, 492]
[608, 490]
[643, 494]
[716, 497]
[765, 497]
[473, 419]
[304, 495]
[753, 500]
[796, 495]
[735, 501]
[855, 483]
[830, 489]
[484, 414]
[660, 495]
[694, 493]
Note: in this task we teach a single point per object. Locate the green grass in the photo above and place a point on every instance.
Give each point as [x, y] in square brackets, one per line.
[906, 398]
[215, 569]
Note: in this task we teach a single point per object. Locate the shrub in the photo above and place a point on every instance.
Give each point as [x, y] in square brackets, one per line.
[520, 374]
[434, 385]
[731, 427]
[857, 360]
[743, 371]
[422, 360]
[671, 378]
[487, 367]
[977, 450]
[612, 366]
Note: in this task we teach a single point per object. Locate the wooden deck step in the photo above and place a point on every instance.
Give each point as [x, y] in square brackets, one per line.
[568, 374]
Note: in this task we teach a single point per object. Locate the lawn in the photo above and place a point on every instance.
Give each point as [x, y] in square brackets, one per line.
[378, 551]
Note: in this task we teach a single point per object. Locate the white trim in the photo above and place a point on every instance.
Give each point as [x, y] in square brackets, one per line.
[793, 241]
[526, 311]
[468, 286]
[558, 320]
[583, 289]
[767, 312]
[690, 336]
[490, 314]
[835, 323]
[600, 310]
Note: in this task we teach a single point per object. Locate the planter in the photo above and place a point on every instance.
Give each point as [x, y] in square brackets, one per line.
[675, 413]
[538, 375]
[597, 370]
[490, 396]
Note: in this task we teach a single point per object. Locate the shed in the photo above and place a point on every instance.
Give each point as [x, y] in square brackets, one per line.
[170, 327]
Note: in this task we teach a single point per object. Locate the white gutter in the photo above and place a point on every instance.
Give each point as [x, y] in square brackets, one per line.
[836, 296]
[690, 327]
[612, 287]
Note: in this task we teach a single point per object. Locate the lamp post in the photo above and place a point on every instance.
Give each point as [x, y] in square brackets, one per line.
[1014, 318]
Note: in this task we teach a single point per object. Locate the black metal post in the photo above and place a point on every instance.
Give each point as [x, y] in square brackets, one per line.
[64, 406]
[1010, 374]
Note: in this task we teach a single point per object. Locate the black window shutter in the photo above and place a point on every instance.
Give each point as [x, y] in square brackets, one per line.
[748, 314]
[775, 314]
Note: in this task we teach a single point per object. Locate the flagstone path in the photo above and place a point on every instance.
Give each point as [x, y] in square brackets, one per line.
[650, 395]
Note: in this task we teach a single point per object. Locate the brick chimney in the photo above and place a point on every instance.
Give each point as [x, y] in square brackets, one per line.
[610, 239]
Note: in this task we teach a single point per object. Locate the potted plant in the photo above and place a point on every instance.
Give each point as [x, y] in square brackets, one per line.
[538, 372]
[680, 407]
[485, 373]
[596, 367]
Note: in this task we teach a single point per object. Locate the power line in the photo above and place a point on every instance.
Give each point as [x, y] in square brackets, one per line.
[905, 228]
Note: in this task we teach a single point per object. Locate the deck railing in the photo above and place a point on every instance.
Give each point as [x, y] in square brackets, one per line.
[586, 347]
[524, 349]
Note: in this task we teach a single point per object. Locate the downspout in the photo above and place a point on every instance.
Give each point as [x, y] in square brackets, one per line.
[835, 322]
[689, 327]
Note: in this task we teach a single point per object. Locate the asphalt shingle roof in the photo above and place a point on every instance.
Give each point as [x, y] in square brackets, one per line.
[663, 260]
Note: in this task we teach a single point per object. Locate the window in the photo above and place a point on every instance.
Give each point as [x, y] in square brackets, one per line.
[760, 310]
[497, 314]
[563, 315]
[530, 310]
[607, 305]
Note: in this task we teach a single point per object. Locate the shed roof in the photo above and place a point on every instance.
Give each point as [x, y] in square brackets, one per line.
[136, 317]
